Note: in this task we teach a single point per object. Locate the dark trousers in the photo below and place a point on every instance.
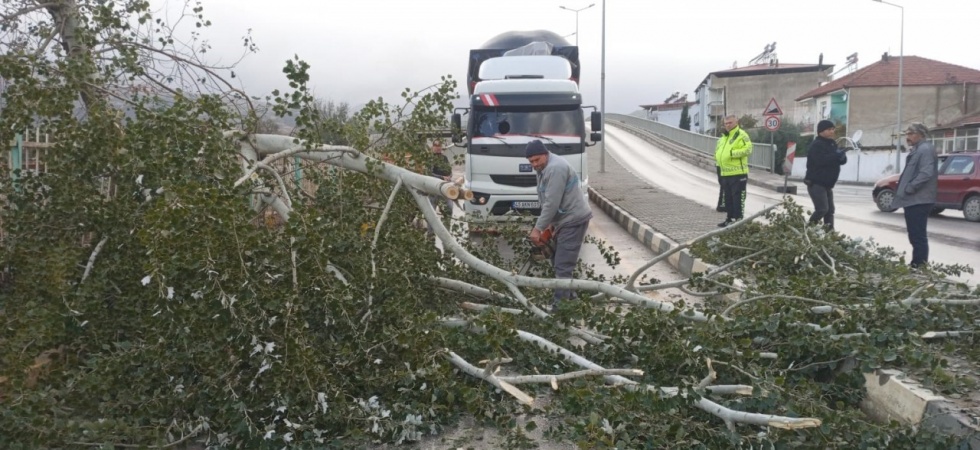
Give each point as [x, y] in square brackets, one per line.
[916, 219]
[734, 187]
[721, 191]
[568, 244]
[823, 204]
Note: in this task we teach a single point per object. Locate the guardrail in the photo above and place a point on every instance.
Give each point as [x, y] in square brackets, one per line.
[763, 155]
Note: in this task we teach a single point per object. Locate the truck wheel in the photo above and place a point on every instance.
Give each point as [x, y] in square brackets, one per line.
[971, 208]
[884, 200]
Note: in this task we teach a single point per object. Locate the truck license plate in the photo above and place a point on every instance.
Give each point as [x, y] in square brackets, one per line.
[525, 168]
[526, 205]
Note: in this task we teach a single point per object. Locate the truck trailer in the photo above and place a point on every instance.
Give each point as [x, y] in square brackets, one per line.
[522, 86]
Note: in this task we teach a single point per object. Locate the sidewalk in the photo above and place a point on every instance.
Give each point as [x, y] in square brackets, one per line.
[660, 220]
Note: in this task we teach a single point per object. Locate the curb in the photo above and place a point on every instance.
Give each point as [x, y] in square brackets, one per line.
[685, 263]
[891, 395]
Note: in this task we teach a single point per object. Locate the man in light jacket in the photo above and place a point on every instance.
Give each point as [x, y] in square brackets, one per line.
[917, 190]
[732, 158]
[563, 205]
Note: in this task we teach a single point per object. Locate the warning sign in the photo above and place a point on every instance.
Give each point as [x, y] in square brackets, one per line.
[772, 109]
[790, 156]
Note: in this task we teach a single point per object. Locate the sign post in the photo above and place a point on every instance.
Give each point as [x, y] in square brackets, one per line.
[771, 121]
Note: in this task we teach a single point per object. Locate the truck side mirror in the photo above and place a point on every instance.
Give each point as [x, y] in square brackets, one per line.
[457, 128]
[596, 137]
[596, 121]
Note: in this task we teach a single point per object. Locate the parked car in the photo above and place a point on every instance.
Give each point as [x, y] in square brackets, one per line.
[959, 186]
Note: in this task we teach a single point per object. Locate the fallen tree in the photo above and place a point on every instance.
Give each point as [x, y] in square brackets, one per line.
[172, 280]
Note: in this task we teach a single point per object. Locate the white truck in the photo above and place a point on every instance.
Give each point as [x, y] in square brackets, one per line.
[522, 86]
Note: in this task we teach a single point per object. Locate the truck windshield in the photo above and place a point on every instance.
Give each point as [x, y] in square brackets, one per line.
[521, 122]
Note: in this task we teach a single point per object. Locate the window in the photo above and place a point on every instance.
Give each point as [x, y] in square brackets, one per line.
[960, 165]
[960, 144]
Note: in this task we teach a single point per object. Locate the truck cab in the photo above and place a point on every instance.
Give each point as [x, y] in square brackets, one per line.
[517, 98]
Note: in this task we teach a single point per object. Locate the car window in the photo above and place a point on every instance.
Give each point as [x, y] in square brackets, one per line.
[959, 165]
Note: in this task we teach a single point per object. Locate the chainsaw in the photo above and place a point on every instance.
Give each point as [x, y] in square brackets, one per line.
[539, 251]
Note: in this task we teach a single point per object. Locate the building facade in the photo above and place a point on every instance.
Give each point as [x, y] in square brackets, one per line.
[933, 93]
[671, 110]
[749, 90]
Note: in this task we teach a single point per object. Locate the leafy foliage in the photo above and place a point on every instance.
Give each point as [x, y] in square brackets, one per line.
[150, 301]
[685, 119]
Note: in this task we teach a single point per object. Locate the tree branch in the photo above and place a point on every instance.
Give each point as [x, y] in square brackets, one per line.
[632, 279]
[91, 259]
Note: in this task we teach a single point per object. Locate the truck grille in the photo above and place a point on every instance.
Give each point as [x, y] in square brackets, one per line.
[515, 180]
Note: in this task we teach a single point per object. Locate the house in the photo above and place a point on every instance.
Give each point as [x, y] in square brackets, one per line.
[934, 93]
[669, 112]
[957, 136]
[748, 91]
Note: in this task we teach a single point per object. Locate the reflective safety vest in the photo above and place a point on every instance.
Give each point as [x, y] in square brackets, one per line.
[732, 152]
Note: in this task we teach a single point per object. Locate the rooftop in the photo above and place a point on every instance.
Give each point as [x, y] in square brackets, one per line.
[916, 71]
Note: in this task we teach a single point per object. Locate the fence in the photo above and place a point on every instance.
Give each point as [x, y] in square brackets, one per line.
[763, 155]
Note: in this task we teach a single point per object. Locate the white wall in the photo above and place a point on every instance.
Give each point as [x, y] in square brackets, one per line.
[861, 167]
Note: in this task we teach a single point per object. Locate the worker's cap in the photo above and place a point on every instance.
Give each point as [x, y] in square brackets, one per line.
[534, 147]
[824, 125]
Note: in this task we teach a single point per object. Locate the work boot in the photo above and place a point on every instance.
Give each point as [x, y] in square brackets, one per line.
[726, 223]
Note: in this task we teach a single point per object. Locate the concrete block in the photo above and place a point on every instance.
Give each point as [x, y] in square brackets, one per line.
[891, 397]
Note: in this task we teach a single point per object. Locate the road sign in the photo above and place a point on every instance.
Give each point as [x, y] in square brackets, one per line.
[790, 156]
[772, 109]
[772, 123]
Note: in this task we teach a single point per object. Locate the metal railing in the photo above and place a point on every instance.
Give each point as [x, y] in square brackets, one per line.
[763, 155]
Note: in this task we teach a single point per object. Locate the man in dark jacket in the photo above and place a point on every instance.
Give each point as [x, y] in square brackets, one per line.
[823, 161]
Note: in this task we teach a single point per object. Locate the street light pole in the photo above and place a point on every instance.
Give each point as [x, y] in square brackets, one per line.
[576, 11]
[901, 63]
[602, 94]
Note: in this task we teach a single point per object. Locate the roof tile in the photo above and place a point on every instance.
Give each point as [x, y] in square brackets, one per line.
[917, 71]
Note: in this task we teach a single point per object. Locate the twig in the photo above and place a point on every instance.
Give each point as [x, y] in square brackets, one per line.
[91, 259]
[492, 364]
[193, 433]
[481, 307]
[489, 378]
[708, 379]
[636, 274]
[523, 379]
[278, 177]
[585, 335]
[945, 334]
[779, 296]
[833, 263]
[915, 294]
[737, 369]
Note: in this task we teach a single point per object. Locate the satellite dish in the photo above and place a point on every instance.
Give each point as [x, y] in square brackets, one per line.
[857, 136]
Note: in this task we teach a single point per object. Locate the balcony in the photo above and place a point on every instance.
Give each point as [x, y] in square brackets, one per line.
[716, 109]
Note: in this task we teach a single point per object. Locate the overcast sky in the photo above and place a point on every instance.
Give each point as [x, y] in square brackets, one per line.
[363, 49]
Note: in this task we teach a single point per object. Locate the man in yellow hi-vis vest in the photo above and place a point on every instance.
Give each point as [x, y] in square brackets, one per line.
[732, 158]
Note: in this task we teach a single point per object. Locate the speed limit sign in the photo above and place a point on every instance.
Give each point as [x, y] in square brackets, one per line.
[772, 123]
